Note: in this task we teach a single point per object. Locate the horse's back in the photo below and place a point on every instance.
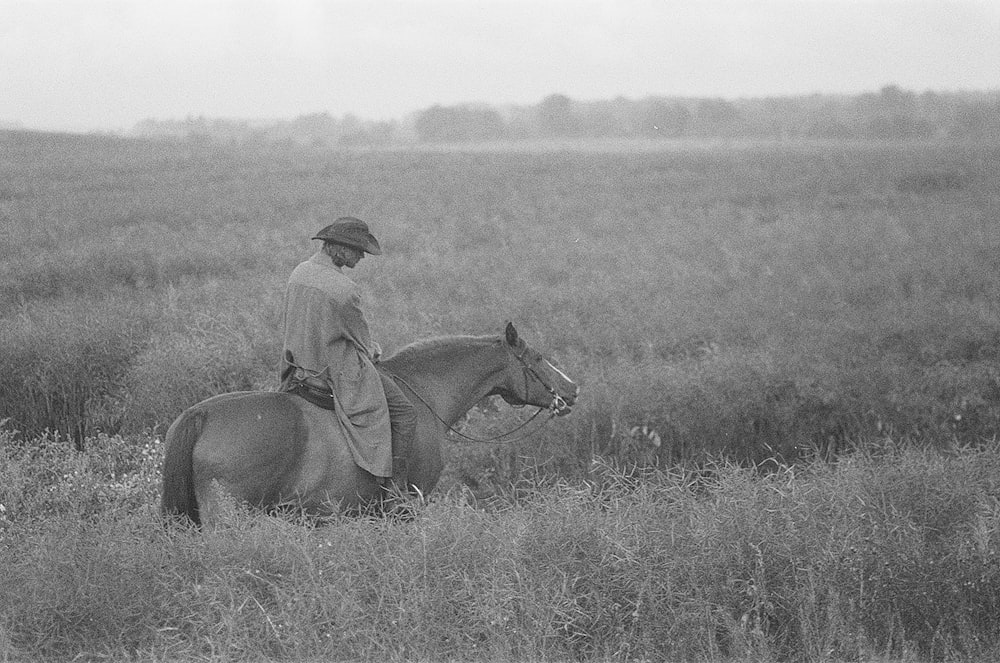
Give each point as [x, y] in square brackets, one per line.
[267, 448]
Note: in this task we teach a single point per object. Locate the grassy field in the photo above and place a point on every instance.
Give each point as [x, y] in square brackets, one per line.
[746, 308]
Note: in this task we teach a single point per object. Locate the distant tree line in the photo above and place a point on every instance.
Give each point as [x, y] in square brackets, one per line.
[889, 114]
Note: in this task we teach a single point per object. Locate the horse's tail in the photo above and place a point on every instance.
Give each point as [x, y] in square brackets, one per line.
[178, 497]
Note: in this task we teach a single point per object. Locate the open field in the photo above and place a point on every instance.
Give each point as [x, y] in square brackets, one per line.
[756, 300]
[766, 304]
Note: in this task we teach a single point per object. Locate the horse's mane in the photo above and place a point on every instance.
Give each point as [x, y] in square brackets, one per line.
[424, 349]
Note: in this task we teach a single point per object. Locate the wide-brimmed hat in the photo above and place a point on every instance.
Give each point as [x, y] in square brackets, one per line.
[350, 232]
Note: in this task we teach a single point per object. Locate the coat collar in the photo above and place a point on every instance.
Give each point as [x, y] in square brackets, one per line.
[323, 260]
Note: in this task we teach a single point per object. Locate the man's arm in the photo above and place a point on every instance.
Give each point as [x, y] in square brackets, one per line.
[355, 327]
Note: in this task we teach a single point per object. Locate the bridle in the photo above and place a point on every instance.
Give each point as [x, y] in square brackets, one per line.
[557, 406]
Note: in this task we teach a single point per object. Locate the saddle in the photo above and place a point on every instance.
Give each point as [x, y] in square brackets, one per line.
[313, 389]
[366, 424]
[315, 395]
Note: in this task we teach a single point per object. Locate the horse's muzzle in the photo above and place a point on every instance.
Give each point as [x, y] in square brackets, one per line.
[560, 406]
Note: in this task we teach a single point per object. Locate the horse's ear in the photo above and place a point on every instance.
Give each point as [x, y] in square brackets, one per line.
[511, 334]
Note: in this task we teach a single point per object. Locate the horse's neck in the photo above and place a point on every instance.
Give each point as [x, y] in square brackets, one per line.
[454, 378]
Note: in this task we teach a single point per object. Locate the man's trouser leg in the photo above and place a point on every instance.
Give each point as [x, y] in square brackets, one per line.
[403, 422]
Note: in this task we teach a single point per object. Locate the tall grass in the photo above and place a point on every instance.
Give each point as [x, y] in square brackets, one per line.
[63, 363]
[750, 300]
[888, 554]
[730, 312]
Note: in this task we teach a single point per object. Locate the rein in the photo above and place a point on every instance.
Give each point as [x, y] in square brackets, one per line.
[552, 413]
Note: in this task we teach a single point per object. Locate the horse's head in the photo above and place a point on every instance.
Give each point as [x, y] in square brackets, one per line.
[531, 379]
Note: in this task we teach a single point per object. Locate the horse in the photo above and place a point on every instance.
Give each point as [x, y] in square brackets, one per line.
[273, 449]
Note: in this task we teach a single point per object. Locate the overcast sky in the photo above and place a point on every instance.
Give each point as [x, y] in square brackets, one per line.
[107, 64]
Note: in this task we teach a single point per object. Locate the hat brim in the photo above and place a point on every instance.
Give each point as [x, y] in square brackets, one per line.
[368, 245]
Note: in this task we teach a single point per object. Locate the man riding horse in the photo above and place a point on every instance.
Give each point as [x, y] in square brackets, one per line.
[329, 352]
